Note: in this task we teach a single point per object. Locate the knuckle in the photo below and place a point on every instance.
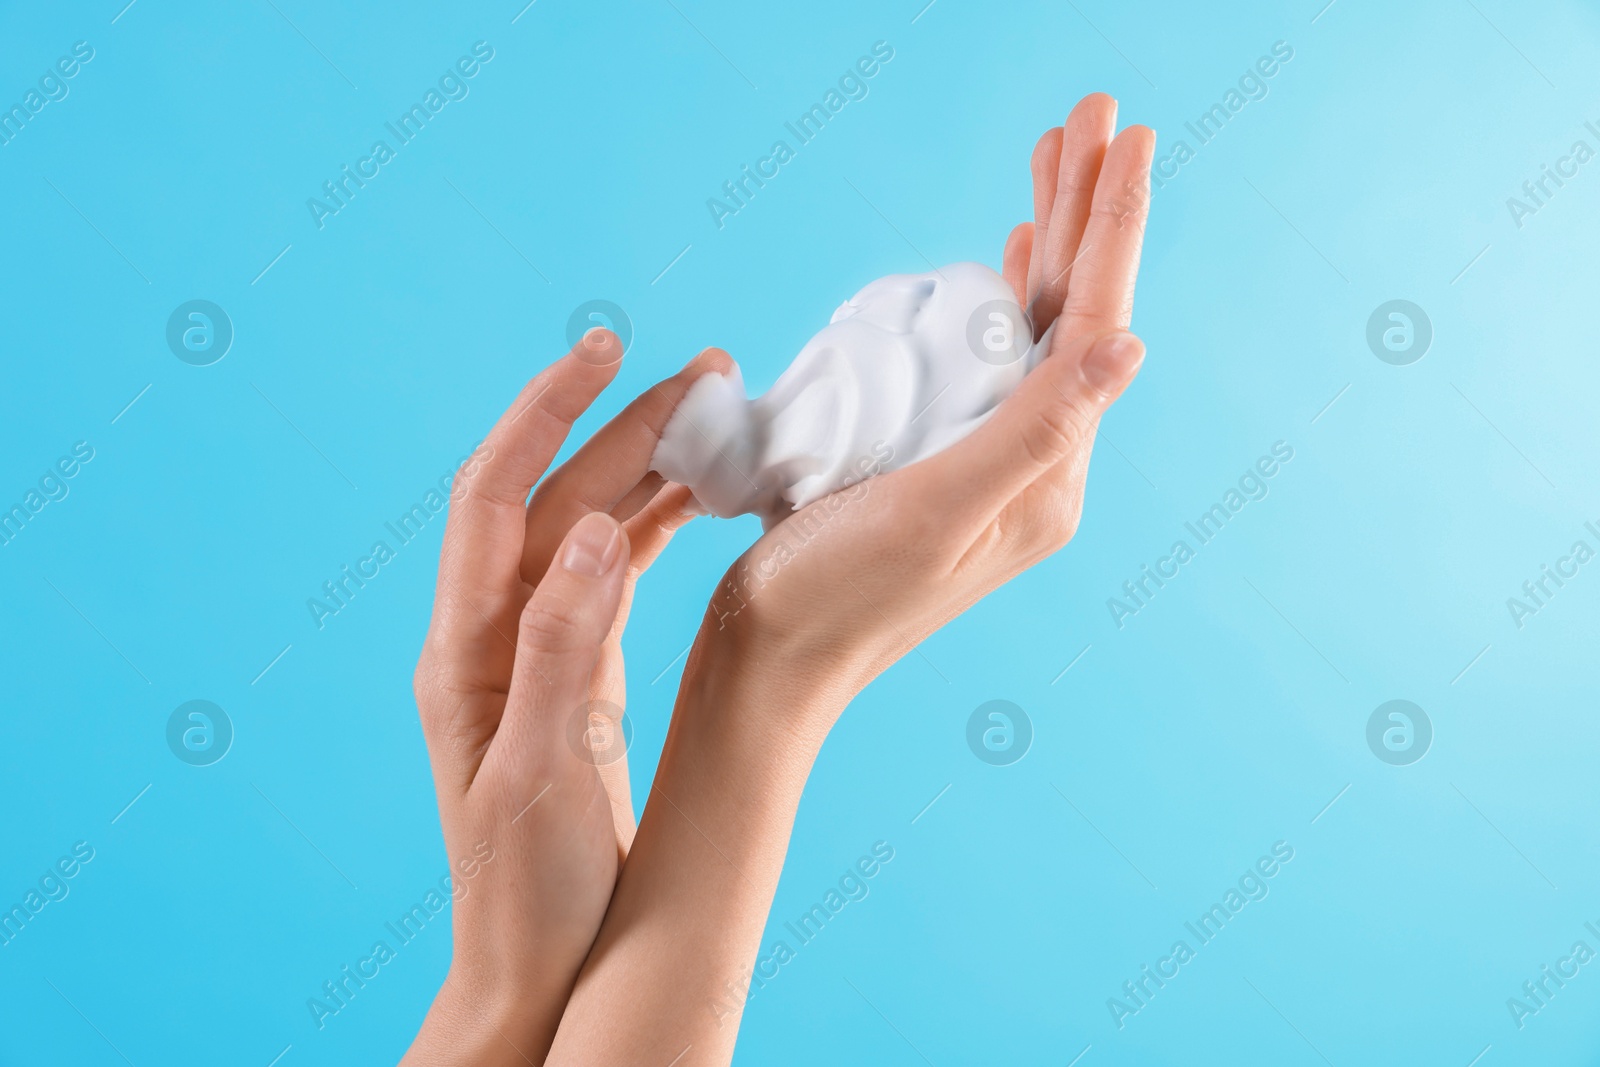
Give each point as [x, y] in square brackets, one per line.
[427, 679]
[1043, 445]
[1098, 309]
[550, 625]
[1066, 527]
[983, 548]
[465, 489]
[434, 715]
[467, 482]
[422, 691]
[560, 403]
[1121, 212]
[1047, 520]
[1055, 523]
[435, 702]
[1056, 433]
[585, 499]
[470, 495]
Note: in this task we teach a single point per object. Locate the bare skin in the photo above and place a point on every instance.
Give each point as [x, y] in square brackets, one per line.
[519, 684]
[553, 930]
[771, 672]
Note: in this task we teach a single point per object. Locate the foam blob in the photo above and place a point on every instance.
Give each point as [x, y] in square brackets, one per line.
[906, 367]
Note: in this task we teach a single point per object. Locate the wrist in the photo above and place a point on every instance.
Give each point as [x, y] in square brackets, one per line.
[761, 693]
[477, 1023]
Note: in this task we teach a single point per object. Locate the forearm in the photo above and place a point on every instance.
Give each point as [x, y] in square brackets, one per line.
[479, 1024]
[668, 974]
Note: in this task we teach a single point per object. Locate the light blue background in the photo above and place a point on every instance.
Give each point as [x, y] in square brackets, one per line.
[1221, 719]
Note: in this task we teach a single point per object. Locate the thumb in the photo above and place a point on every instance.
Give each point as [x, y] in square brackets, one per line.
[1051, 416]
[562, 629]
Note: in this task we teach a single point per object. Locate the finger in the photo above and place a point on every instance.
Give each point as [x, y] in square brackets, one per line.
[619, 795]
[1014, 261]
[1100, 289]
[610, 466]
[479, 583]
[651, 529]
[1051, 417]
[608, 686]
[648, 532]
[639, 497]
[566, 621]
[1088, 132]
[1045, 165]
[608, 689]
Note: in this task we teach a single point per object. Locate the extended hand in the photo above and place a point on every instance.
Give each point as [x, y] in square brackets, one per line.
[851, 583]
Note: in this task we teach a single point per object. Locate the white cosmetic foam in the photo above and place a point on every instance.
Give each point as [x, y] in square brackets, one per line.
[906, 367]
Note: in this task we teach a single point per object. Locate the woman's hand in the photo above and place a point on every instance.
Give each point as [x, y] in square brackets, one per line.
[833, 595]
[851, 583]
[520, 689]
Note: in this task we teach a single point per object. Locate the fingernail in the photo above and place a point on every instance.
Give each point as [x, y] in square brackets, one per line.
[600, 347]
[592, 545]
[1111, 362]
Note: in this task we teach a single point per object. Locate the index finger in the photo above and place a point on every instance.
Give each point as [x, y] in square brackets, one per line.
[606, 469]
[483, 535]
[1100, 289]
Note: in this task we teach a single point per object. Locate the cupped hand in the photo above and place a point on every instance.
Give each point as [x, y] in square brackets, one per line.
[520, 689]
[848, 585]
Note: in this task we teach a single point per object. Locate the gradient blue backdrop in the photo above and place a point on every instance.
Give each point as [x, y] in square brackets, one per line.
[1222, 718]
